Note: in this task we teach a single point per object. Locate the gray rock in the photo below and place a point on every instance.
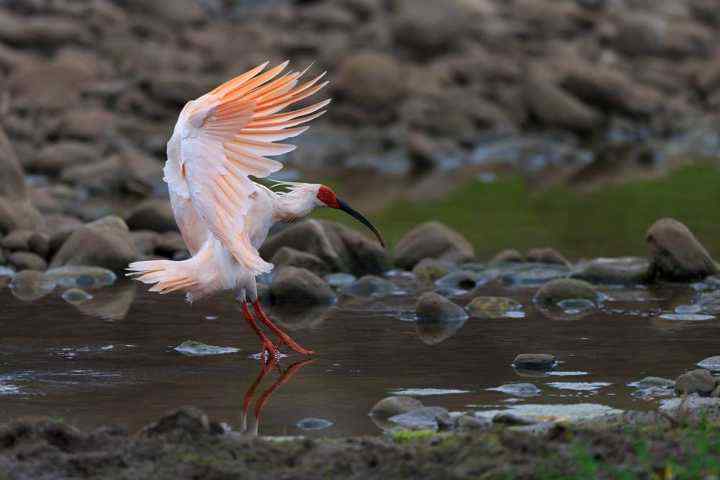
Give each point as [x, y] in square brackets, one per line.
[511, 419]
[396, 405]
[432, 240]
[193, 348]
[518, 389]
[698, 381]
[429, 270]
[81, 276]
[676, 254]
[547, 256]
[26, 261]
[692, 406]
[421, 418]
[648, 382]
[507, 256]
[301, 287]
[287, 256]
[17, 240]
[532, 275]
[105, 243]
[371, 286]
[614, 271]
[432, 307]
[186, 422]
[358, 73]
[535, 361]
[155, 215]
[471, 423]
[76, 296]
[314, 424]
[492, 307]
[710, 363]
[31, 285]
[565, 289]
[55, 157]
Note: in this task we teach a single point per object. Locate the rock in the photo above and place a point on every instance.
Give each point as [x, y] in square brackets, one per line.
[357, 79]
[340, 280]
[432, 307]
[565, 289]
[507, 256]
[518, 389]
[55, 157]
[511, 419]
[650, 382]
[180, 12]
[547, 256]
[340, 248]
[17, 240]
[30, 89]
[391, 406]
[676, 254]
[154, 214]
[16, 212]
[471, 423]
[81, 277]
[614, 271]
[710, 363]
[371, 286]
[695, 381]
[39, 243]
[692, 407]
[76, 296]
[170, 244]
[37, 30]
[186, 422]
[314, 424]
[534, 361]
[432, 240]
[293, 285]
[27, 261]
[492, 307]
[555, 107]
[429, 270]
[421, 418]
[18, 215]
[436, 332]
[145, 242]
[30, 285]
[427, 28]
[287, 256]
[105, 243]
[461, 280]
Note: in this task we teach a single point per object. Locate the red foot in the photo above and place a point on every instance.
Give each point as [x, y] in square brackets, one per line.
[284, 337]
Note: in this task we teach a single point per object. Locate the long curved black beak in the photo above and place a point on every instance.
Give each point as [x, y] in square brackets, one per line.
[359, 217]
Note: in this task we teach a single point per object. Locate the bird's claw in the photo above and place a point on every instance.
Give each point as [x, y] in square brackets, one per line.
[270, 352]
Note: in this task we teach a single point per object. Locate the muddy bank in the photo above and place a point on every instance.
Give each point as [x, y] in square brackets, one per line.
[184, 444]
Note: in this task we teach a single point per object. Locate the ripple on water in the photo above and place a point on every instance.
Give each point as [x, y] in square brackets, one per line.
[422, 392]
[198, 349]
[687, 317]
[567, 374]
[541, 412]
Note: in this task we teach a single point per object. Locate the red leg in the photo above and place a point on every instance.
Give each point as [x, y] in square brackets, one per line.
[284, 337]
[251, 391]
[268, 346]
[284, 378]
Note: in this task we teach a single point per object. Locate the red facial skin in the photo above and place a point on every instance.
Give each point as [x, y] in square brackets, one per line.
[328, 197]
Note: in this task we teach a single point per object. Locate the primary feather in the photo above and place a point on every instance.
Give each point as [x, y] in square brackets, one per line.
[219, 141]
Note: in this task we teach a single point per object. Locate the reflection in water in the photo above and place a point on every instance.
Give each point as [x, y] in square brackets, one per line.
[298, 318]
[110, 303]
[433, 333]
[285, 376]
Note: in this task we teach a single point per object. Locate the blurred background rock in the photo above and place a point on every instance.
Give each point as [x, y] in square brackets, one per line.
[427, 95]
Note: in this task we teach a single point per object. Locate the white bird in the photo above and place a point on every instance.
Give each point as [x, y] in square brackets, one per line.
[220, 140]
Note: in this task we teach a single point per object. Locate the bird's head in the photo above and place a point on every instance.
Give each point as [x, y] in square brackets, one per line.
[327, 198]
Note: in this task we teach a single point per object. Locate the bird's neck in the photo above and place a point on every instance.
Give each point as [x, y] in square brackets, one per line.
[293, 206]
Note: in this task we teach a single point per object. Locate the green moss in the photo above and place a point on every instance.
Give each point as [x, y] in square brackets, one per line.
[610, 221]
[409, 436]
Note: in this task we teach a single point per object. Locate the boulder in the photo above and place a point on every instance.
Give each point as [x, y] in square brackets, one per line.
[16, 211]
[432, 240]
[340, 248]
[555, 107]
[153, 214]
[565, 289]
[698, 381]
[546, 255]
[428, 28]
[391, 406]
[289, 257]
[298, 286]
[421, 418]
[675, 253]
[86, 124]
[55, 157]
[432, 307]
[186, 422]
[30, 88]
[27, 261]
[105, 243]
[17, 240]
[614, 271]
[371, 286]
[429, 270]
[534, 361]
[507, 256]
[357, 83]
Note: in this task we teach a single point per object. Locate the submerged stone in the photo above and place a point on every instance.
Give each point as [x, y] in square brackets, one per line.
[493, 307]
[198, 349]
[431, 269]
[82, 277]
[371, 286]
[648, 382]
[518, 389]
[548, 412]
[461, 280]
[710, 363]
[531, 275]
[535, 361]
[579, 386]
[565, 289]
[30, 285]
[687, 317]
[395, 405]
[76, 295]
[614, 271]
[339, 280]
[421, 418]
[314, 424]
[574, 306]
[432, 307]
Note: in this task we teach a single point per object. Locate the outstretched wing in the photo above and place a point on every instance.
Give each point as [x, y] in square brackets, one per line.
[225, 136]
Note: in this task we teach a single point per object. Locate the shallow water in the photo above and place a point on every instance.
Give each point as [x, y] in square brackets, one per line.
[112, 359]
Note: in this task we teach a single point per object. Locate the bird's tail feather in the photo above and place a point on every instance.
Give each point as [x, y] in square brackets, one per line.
[166, 275]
